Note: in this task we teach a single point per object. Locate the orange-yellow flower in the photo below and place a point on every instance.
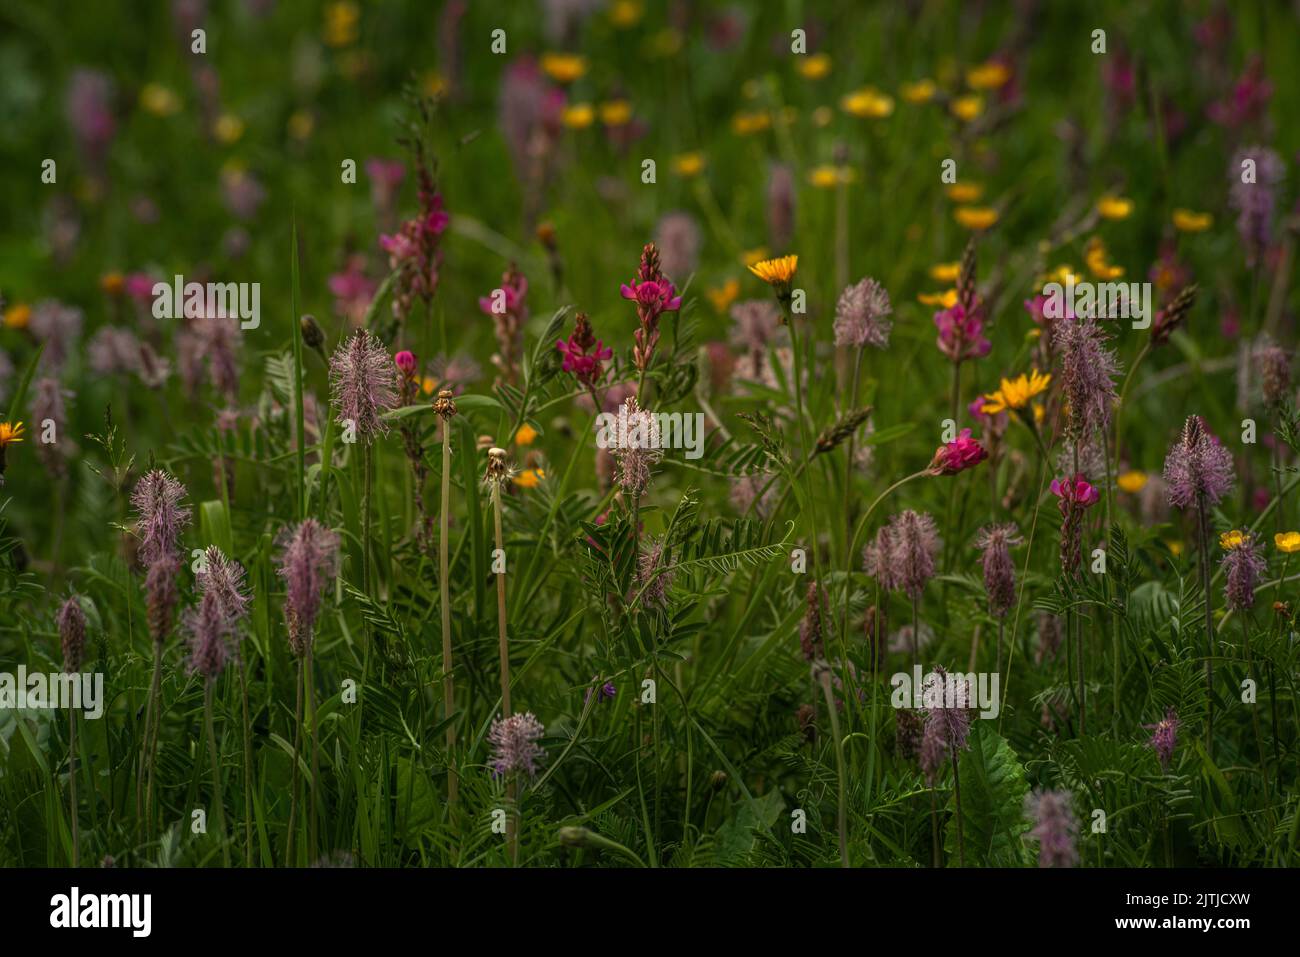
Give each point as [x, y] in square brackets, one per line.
[1111, 206]
[965, 192]
[1233, 539]
[967, 108]
[17, 315]
[341, 23]
[579, 116]
[159, 100]
[1015, 394]
[1132, 482]
[625, 13]
[975, 217]
[868, 103]
[526, 435]
[945, 272]
[1189, 221]
[563, 68]
[723, 296]
[745, 124]
[922, 91]
[944, 300]
[1098, 260]
[814, 67]
[688, 164]
[1287, 542]
[616, 113]
[10, 433]
[529, 478]
[112, 283]
[776, 272]
[988, 76]
[828, 177]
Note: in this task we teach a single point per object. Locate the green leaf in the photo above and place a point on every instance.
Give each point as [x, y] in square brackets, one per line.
[214, 523]
[993, 790]
[737, 836]
[20, 394]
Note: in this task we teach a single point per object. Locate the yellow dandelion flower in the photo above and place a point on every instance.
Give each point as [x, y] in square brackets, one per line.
[112, 283]
[529, 478]
[341, 23]
[975, 217]
[1132, 482]
[967, 108]
[526, 435]
[1189, 221]
[1064, 274]
[868, 103]
[988, 76]
[159, 100]
[944, 300]
[434, 83]
[965, 192]
[746, 124]
[922, 91]
[616, 113]
[1287, 542]
[579, 116]
[751, 256]
[723, 296]
[563, 68]
[228, 129]
[17, 316]
[10, 433]
[1175, 548]
[1230, 540]
[688, 164]
[828, 177]
[814, 67]
[1114, 207]
[1016, 393]
[428, 384]
[945, 272]
[625, 13]
[1039, 413]
[776, 272]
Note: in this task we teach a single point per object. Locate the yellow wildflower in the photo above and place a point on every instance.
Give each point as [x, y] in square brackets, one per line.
[751, 256]
[579, 116]
[529, 478]
[616, 113]
[1132, 482]
[1287, 542]
[814, 67]
[776, 272]
[625, 13]
[922, 91]
[1230, 540]
[1016, 393]
[988, 76]
[159, 100]
[945, 272]
[688, 164]
[10, 433]
[112, 283]
[944, 300]
[965, 192]
[967, 108]
[1188, 221]
[17, 315]
[828, 177]
[301, 124]
[229, 128]
[723, 296]
[526, 435]
[868, 103]
[1111, 206]
[745, 124]
[563, 68]
[975, 217]
[1098, 260]
[341, 23]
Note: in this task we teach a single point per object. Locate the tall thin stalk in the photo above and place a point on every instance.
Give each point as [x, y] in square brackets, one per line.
[444, 588]
[1203, 533]
[72, 785]
[248, 766]
[217, 799]
[841, 813]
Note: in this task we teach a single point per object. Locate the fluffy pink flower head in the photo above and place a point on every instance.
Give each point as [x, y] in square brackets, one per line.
[513, 290]
[363, 384]
[996, 542]
[1074, 492]
[1197, 467]
[958, 455]
[913, 546]
[862, 315]
[514, 744]
[352, 290]
[208, 629]
[160, 517]
[72, 634]
[224, 577]
[307, 562]
[1244, 565]
[961, 333]
[1055, 828]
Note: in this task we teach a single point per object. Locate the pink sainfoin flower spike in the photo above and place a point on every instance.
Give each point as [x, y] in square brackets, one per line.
[958, 455]
[363, 384]
[1255, 201]
[1164, 738]
[352, 290]
[961, 333]
[1197, 466]
[509, 311]
[1076, 495]
[514, 745]
[654, 295]
[160, 516]
[307, 562]
[414, 251]
[1055, 828]
[584, 353]
[406, 363]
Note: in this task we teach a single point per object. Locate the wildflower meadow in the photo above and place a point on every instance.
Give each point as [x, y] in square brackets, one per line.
[591, 434]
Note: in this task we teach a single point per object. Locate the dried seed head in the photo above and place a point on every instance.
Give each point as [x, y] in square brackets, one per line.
[445, 404]
[72, 632]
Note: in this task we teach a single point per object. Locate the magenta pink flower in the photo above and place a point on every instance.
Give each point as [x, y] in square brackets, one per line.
[1246, 101]
[654, 295]
[414, 251]
[958, 455]
[509, 312]
[406, 362]
[583, 353]
[1165, 737]
[961, 333]
[1074, 492]
[353, 290]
